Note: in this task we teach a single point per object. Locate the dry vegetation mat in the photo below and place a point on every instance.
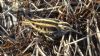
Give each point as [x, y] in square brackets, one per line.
[49, 28]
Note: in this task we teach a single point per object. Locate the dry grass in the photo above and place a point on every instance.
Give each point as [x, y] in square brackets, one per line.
[19, 40]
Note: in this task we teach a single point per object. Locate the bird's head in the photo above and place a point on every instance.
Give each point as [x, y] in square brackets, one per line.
[64, 26]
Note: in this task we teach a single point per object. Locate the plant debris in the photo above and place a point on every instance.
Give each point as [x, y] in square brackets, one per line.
[47, 19]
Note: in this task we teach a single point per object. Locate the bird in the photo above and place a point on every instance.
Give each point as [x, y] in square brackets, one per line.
[51, 28]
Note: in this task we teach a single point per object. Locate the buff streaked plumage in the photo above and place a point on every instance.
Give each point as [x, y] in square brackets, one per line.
[49, 27]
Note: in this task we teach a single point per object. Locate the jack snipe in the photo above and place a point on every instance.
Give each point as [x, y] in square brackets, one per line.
[51, 28]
